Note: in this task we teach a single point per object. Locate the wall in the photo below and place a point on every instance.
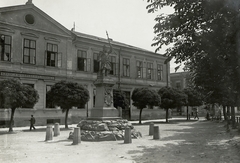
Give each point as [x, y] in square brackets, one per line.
[21, 116]
[148, 114]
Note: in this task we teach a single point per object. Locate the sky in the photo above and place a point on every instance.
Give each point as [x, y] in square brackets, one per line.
[126, 21]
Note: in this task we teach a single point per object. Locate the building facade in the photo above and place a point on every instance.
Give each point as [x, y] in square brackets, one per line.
[179, 80]
[39, 51]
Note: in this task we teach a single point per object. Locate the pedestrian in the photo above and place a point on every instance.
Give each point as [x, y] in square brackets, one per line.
[32, 122]
[196, 114]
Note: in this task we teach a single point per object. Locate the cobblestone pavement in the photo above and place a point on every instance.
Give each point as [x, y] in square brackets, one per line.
[181, 141]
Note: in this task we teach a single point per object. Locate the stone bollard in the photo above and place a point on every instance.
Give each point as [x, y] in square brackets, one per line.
[49, 133]
[127, 136]
[151, 128]
[56, 129]
[76, 136]
[156, 134]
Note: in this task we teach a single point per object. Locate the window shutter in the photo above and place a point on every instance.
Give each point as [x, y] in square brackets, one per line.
[88, 64]
[59, 59]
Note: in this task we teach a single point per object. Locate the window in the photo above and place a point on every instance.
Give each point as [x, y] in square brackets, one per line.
[95, 63]
[94, 96]
[139, 69]
[5, 48]
[53, 58]
[29, 51]
[159, 72]
[83, 63]
[149, 70]
[126, 67]
[29, 19]
[178, 85]
[113, 70]
[49, 103]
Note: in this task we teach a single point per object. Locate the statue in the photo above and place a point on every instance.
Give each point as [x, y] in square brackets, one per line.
[104, 62]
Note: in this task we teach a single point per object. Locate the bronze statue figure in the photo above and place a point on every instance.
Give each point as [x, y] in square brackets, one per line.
[104, 59]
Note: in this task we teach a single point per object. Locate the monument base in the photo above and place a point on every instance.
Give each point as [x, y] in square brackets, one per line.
[105, 130]
[104, 113]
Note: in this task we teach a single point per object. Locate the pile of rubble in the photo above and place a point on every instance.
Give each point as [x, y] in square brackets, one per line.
[105, 130]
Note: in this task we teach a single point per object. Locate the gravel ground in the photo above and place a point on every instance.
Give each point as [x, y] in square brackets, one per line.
[181, 142]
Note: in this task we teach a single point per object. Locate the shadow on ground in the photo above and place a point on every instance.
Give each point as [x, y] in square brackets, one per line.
[204, 141]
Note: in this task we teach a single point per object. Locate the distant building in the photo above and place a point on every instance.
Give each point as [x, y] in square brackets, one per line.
[179, 80]
[39, 51]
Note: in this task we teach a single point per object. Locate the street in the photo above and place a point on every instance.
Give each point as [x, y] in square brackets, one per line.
[181, 141]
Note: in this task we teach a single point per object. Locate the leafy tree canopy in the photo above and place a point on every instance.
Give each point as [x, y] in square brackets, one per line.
[203, 35]
[194, 98]
[13, 94]
[119, 98]
[143, 97]
[68, 94]
[191, 25]
[171, 97]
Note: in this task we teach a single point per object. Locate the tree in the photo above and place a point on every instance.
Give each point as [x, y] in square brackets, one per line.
[119, 99]
[192, 27]
[205, 36]
[14, 94]
[171, 98]
[194, 98]
[67, 95]
[143, 97]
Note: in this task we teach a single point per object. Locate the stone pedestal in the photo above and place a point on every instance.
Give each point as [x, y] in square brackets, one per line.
[49, 133]
[156, 133]
[56, 129]
[151, 127]
[104, 108]
[127, 136]
[76, 136]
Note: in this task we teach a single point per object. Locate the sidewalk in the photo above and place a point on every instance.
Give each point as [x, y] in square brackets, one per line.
[181, 141]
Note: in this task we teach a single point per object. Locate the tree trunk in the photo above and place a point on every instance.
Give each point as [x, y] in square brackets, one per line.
[187, 113]
[140, 116]
[66, 117]
[11, 120]
[167, 115]
[228, 112]
[224, 113]
[228, 115]
[233, 117]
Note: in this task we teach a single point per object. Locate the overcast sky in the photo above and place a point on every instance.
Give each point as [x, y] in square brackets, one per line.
[126, 21]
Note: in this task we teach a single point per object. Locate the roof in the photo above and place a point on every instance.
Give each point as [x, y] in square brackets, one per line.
[103, 40]
[30, 5]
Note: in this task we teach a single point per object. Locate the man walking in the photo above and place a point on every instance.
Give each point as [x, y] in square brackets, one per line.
[196, 114]
[32, 122]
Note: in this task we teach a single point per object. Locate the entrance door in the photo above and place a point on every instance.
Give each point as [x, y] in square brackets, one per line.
[126, 114]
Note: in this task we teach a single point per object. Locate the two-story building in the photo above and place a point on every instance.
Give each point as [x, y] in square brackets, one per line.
[39, 51]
